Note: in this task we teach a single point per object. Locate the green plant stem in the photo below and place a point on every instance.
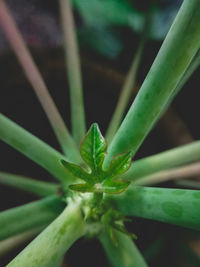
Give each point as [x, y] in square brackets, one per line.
[37, 214]
[129, 84]
[73, 71]
[33, 148]
[175, 206]
[33, 75]
[125, 253]
[173, 174]
[163, 161]
[27, 184]
[188, 183]
[11, 243]
[48, 248]
[173, 59]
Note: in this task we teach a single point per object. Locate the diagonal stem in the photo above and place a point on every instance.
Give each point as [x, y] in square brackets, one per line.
[33, 75]
[73, 71]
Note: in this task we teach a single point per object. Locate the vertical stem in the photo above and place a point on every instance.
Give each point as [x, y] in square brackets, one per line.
[178, 50]
[129, 84]
[125, 253]
[34, 77]
[48, 248]
[73, 71]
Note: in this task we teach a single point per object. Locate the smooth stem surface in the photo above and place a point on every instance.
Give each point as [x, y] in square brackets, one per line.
[34, 77]
[125, 253]
[175, 206]
[48, 248]
[27, 184]
[188, 171]
[163, 161]
[14, 242]
[73, 71]
[33, 148]
[36, 214]
[128, 86]
[173, 59]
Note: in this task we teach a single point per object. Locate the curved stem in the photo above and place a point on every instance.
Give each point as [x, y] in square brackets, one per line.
[33, 75]
[73, 71]
[36, 214]
[39, 188]
[48, 248]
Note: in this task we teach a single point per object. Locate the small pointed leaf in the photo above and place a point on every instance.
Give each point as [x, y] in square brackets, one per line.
[119, 165]
[114, 187]
[93, 148]
[84, 188]
[77, 171]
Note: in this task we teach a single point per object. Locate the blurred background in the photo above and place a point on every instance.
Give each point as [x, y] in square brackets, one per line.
[109, 32]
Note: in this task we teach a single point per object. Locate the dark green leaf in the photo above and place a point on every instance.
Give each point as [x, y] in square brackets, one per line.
[93, 148]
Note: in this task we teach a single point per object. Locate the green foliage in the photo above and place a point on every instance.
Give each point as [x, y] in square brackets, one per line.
[93, 151]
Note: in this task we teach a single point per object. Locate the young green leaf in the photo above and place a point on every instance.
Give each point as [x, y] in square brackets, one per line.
[93, 148]
[93, 151]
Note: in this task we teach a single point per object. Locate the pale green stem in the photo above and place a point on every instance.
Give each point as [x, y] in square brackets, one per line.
[29, 216]
[175, 206]
[33, 148]
[39, 188]
[173, 59]
[188, 183]
[14, 242]
[163, 161]
[128, 86]
[73, 71]
[48, 248]
[188, 171]
[123, 253]
[33, 75]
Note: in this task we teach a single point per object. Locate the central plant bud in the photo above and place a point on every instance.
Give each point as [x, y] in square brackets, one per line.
[93, 150]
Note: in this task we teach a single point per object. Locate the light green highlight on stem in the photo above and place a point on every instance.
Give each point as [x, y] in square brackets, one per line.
[125, 253]
[36, 214]
[173, 59]
[129, 85]
[47, 249]
[34, 77]
[39, 188]
[73, 71]
[33, 148]
[175, 206]
[163, 161]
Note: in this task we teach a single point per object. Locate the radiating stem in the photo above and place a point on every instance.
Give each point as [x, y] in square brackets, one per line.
[29, 216]
[175, 206]
[46, 249]
[173, 174]
[163, 161]
[123, 253]
[33, 148]
[33, 75]
[173, 59]
[73, 71]
[39, 188]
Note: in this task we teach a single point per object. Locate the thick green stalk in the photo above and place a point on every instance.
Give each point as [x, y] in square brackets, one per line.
[173, 59]
[73, 71]
[48, 248]
[33, 75]
[36, 214]
[187, 171]
[123, 253]
[163, 161]
[27, 184]
[33, 148]
[175, 206]
[129, 84]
